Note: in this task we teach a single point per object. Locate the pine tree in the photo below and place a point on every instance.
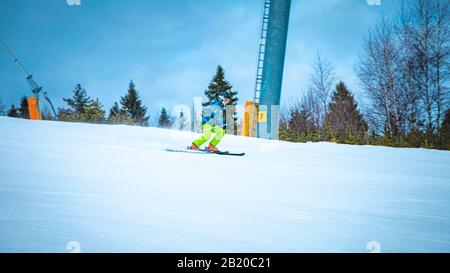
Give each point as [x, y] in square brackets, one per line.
[132, 104]
[113, 112]
[164, 119]
[12, 112]
[93, 113]
[23, 109]
[79, 101]
[344, 119]
[119, 116]
[217, 85]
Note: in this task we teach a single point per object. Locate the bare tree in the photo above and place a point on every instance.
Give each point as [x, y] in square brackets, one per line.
[429, 29]
[312, 103]
[441, 52]
[404, 68]
[285, 113]
[421, 38]
[380, 73]
[320, 88]
[408, 69]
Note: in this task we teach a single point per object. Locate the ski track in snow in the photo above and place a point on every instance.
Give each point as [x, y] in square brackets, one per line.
[116, 189]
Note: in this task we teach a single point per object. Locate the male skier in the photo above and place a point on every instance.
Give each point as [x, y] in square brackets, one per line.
[212, 118]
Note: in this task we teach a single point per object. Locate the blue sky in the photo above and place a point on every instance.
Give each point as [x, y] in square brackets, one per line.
[170, 48]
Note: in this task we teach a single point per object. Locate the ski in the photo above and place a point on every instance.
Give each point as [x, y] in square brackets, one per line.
[186, 151]
[203, 151]
[226, 153]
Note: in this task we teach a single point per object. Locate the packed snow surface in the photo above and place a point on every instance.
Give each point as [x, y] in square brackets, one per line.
[115, 189]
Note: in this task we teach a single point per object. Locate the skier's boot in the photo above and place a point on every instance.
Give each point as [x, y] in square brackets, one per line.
[212, 148]
[194, 147]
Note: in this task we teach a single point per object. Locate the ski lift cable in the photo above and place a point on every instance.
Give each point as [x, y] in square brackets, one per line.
[32, 83]
[14, 58]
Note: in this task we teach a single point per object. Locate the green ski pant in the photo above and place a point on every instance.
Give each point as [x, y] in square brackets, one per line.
[208, 129]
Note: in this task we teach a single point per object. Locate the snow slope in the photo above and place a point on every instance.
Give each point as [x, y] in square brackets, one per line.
[114, 188]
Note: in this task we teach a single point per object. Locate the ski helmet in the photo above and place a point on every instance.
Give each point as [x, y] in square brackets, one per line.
[224, 95]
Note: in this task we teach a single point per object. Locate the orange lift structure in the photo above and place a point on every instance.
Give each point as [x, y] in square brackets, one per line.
[33, 101]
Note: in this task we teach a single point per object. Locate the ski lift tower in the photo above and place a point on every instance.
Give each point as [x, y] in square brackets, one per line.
[262, 115]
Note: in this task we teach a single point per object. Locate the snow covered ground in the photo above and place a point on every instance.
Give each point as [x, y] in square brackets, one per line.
[114, 188]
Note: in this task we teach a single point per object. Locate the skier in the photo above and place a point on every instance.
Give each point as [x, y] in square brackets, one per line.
[212, 123]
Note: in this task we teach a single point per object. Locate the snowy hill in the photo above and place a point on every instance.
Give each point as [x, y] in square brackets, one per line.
[114, 188]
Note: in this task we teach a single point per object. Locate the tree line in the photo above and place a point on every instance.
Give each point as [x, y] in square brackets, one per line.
[130, 110]
[403, 70]
[81, 108]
